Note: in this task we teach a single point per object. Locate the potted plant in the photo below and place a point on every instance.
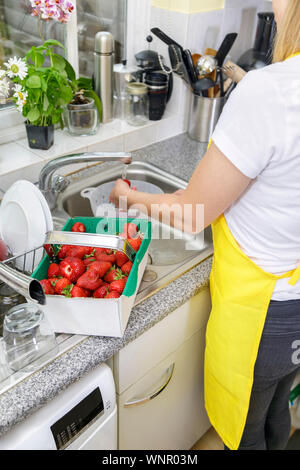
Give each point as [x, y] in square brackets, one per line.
[41, 91]
[83, 113]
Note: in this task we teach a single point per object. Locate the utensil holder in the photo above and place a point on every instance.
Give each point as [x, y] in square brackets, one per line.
[203, 117]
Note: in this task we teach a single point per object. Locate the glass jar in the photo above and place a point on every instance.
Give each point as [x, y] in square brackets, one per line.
[137, 107]
[8, 298]
[27, 336]
[81, 119]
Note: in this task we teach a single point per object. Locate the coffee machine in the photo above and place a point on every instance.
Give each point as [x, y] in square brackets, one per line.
[262, 52]
[158, 78]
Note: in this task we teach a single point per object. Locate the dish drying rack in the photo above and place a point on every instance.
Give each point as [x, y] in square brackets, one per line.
[36, 255]
[27, 263]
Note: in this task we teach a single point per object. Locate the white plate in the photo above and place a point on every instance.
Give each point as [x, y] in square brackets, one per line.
[23, 222]
[45, 207]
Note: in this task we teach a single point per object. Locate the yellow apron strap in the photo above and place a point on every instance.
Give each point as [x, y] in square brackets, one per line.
[295, 277]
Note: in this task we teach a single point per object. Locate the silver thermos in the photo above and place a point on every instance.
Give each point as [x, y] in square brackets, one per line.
[103, 72]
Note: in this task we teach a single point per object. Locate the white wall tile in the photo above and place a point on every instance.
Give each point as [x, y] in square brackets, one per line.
[14, 156]
[204, 30]
[244, 22]
[138, 27]
[30, 173]
[140, 138]
[116, 144]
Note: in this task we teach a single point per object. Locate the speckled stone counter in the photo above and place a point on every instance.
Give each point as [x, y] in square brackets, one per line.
[179, 156]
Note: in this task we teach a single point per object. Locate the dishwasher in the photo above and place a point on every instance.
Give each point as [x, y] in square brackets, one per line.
[81, 417]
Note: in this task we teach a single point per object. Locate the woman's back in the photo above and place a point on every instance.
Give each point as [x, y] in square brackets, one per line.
[259, 132]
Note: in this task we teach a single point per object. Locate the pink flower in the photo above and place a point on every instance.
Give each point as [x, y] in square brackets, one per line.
[69, 7]
[58, 10]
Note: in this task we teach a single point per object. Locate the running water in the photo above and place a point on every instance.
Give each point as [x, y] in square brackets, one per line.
[124, 172]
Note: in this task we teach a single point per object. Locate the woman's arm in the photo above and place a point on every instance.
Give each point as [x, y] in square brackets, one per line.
[215, 185]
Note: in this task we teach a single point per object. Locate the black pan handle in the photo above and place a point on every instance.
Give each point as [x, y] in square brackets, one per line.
[164, 38]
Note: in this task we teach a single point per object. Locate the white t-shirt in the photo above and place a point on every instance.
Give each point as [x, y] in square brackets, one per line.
[259, 132]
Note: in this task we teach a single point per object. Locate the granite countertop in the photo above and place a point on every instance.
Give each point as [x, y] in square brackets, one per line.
[180, 156]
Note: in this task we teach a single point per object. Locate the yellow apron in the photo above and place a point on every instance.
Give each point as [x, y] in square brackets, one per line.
[241, 292]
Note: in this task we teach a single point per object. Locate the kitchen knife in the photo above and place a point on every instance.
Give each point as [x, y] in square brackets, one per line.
[189, 65]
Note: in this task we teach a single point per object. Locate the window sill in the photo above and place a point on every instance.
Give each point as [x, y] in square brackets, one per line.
[18, 161]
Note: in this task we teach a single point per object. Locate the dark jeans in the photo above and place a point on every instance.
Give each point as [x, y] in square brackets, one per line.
[268, 421]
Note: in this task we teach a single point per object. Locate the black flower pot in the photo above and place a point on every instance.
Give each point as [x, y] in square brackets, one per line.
[40, 137]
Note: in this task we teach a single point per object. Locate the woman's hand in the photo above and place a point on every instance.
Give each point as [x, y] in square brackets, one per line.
[179, 192]
[121, 189]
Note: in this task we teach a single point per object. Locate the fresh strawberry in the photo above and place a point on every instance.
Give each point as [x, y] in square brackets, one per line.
[126, 268]
[77, 252]
[50, 250]
[101, 292]
[121, 258]
[131, 230]
[53, 270]
[62, 253]
[102, 251]
[63, 287]
[112, 295]
[47, 287]
[78, 227]
[135, 243]
[88, 261]
[89, 251]
[54, 280]
[105, 257]
[113, 275]
[90, 280]
[101, 267]
[118, 285]
[79, 292]
[71, 268]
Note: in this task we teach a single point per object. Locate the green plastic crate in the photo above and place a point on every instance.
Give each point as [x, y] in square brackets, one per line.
[89, 316]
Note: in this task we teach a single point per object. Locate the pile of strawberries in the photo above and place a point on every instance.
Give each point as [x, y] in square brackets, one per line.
[81, 271]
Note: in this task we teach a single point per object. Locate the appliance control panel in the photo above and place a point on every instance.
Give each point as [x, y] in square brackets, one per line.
[77, 419]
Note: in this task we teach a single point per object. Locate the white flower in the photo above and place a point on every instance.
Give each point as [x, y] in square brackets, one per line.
[21, 100]
[19, 106]
[16, 68]
[2, 74]
[21, 96]
[4, 88]
[18, 88]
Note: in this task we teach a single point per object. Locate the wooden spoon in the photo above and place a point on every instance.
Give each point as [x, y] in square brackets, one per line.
[213, 75]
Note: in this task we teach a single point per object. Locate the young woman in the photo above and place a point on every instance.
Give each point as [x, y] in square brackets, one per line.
[249, 183]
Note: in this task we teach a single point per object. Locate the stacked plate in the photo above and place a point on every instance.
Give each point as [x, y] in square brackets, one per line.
[25, 218]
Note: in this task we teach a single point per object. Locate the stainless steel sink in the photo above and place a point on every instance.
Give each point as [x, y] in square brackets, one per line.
[168, 253]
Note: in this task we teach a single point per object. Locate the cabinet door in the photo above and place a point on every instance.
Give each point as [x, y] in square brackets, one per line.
[174, 418]
[141, 355]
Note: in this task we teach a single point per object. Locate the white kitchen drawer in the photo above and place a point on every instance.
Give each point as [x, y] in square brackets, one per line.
[175, 418]
[138, 357]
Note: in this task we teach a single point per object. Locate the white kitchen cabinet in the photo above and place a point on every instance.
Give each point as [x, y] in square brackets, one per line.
[167, 364]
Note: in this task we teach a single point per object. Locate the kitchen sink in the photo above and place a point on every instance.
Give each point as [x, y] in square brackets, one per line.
[171, 251]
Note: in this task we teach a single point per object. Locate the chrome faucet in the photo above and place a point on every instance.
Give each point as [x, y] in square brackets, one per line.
[51, 185]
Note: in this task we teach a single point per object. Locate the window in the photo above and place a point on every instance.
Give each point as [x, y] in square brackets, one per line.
[19, 31]
[99, 15]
